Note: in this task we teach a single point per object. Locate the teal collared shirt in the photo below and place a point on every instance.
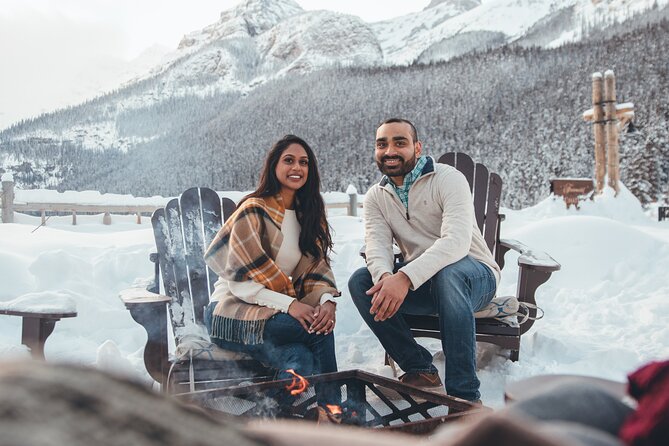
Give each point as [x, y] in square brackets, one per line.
[410, 178]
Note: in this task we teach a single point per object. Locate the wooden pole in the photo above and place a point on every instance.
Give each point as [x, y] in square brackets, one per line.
[7, 199]
[74, 218]
[352, 193]
[613, 157]
[599, 131]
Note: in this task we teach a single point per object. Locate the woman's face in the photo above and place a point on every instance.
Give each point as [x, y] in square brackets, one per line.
[292, 169]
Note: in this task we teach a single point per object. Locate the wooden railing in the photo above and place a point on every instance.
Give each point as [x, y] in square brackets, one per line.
[9, 207]
[106, 209]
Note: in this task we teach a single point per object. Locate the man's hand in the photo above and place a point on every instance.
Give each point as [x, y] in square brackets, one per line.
[324, 318]
[388, 295]
[302, 312]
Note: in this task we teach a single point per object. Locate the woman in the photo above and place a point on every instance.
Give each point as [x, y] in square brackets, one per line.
[274, 299]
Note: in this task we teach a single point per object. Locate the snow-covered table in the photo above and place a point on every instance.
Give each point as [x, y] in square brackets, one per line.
[36, 328]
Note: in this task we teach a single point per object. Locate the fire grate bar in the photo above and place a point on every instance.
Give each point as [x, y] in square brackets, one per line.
[365, 398]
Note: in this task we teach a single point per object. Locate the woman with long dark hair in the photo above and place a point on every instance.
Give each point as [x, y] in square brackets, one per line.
[274, 299]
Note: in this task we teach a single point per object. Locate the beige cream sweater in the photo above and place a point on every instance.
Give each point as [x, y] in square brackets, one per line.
[438, 229]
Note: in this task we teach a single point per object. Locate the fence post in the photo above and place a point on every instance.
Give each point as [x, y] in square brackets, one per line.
[352, 193]
[599, 131]
[611, 130]
[7, 198]
[106, 219]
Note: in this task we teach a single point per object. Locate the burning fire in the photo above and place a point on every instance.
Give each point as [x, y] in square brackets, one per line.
[298, 385]
[334, 409]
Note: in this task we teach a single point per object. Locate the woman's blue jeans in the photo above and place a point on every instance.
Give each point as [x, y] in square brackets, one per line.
[454, 294]
[287, 345]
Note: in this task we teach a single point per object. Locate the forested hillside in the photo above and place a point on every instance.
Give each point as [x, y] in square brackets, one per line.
[516, 109]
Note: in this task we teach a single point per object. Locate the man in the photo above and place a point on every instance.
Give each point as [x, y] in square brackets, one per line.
[427, 209]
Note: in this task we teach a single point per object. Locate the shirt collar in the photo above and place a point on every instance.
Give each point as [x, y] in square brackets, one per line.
[423, 165]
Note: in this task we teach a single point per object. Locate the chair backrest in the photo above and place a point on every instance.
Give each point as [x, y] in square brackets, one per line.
[183, 231]
[486, 188]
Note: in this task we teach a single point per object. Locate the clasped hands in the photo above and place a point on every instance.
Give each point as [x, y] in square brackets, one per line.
[388, 295]
[319, 319]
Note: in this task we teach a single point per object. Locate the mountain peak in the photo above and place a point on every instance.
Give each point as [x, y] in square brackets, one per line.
[263, 13]
[248, 19]
[465, 4]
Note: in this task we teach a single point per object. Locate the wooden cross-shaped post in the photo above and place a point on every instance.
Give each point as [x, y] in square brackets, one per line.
[608, 118]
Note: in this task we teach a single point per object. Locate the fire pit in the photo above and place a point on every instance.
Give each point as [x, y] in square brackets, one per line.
[367, 400]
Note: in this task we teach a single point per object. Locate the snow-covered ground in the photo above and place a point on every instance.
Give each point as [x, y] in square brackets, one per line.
[604, 310]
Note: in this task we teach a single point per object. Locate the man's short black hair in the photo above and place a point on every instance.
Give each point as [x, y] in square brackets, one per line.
[414, 133]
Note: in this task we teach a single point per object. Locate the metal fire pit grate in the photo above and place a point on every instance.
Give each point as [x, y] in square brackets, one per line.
[367, 400]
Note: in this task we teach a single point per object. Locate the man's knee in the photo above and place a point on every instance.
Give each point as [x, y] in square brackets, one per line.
[451, 287]
[359, 282]
[454, 275]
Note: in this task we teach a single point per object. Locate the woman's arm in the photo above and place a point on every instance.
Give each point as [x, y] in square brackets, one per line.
[254, 293]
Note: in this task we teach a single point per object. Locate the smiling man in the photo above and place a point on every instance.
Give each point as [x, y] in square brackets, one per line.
[426, 208]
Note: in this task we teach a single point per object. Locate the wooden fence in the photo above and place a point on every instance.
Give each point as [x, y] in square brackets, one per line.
[9, 206]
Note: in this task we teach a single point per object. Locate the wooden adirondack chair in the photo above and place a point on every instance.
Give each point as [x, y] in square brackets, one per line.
[183, 231]
[535, 267]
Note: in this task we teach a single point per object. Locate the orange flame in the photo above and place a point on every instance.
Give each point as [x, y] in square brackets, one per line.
[298, 385]
[334, 409]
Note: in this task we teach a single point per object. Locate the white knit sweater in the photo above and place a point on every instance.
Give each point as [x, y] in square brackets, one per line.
[438, 229]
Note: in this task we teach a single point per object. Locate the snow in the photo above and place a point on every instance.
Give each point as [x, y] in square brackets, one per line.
[41, 302]
[604, 311]
[84, 197]
[7, 176]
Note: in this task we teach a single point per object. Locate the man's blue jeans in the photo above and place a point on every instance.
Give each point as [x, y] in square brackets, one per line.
[287, 345]
[454, 293]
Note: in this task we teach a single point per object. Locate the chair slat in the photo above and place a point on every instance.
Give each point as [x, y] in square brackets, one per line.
[480, 193]
[194, 244]
[228, 206]
[465, 165]
[177, 251]
[447, 158]
[211, 220]
[165, 260]
[492, 211]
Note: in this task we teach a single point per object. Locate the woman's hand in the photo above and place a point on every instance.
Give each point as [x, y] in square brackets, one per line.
[302, 312]
[324, 318]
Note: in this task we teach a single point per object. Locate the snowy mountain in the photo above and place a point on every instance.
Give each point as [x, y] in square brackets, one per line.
[209, 80]
[448, 28]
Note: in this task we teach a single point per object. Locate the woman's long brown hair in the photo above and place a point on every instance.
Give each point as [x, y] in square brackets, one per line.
[315, 237]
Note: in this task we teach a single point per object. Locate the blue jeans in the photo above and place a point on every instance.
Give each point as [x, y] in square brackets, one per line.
[287, 345]
[454, 294]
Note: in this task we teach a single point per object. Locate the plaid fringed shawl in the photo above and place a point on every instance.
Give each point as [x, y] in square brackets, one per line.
[245, 249]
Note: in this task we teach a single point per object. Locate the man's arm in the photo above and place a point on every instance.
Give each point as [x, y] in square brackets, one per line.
[455, 233]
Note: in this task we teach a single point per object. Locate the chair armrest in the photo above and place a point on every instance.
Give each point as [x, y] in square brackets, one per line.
[529, 258]
[150, 311]
[535, 269]
[141, 296]
[38, 314]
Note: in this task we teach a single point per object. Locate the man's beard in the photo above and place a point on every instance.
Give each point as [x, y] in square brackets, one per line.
[400, 170]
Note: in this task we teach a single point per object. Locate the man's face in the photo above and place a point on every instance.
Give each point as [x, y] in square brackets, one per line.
[396, 151]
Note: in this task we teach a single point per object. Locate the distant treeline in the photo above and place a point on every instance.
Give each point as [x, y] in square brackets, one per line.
[518, 110]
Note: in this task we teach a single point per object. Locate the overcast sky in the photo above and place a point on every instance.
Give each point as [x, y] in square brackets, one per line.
[54, 52]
